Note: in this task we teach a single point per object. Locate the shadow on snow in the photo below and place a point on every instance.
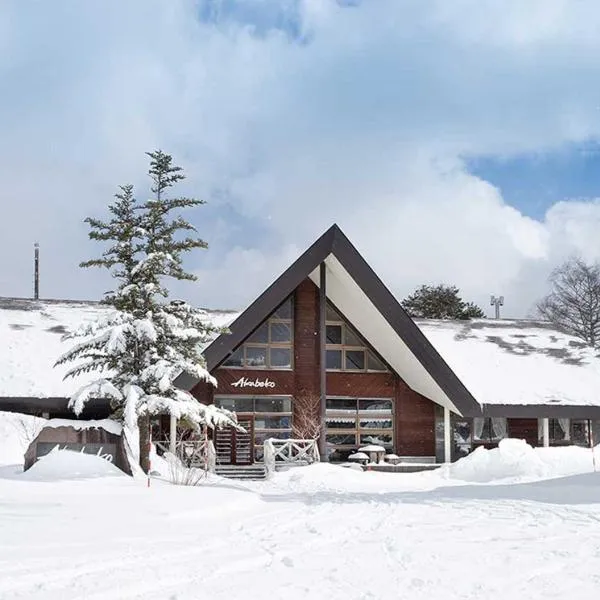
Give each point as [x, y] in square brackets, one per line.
[571, 490]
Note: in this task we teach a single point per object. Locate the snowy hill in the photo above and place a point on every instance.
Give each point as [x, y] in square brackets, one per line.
[500, 362]
[31, 332]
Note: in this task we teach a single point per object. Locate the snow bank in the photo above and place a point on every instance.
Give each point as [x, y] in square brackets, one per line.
[340, 480]
[66, 464]
[516, 460]
[16, 433]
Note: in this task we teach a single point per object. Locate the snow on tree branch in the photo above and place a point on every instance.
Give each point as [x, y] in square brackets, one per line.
[101, 388]
[148, 342]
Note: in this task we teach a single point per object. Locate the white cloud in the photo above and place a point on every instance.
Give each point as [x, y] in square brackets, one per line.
[366, 123]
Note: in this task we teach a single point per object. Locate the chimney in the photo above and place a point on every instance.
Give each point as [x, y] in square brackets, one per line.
[36, 271]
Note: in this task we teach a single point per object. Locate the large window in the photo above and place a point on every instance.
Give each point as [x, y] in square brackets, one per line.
[489, 429]
[355, 422]
[346, 350]
[467, 434]
[270, 346]
[565, 431]
[272, 416]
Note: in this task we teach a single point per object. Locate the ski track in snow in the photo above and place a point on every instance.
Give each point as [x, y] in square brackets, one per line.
[100, 539]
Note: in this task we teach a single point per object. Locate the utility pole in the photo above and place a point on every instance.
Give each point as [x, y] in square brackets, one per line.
[36, 271]
[497, 302]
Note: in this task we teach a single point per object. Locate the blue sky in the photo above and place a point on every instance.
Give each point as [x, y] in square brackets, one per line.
[452, 141]
[534, 182]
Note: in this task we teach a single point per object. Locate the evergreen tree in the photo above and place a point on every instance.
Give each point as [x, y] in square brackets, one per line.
[147, 342]
[440, 302]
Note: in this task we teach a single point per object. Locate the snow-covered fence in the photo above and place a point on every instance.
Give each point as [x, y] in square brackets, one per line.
[290, 452]
[198, 454]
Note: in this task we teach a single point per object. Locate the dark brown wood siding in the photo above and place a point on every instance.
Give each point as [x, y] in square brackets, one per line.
[414, 422]
[368, 385]
[413, 414]
[524, 429]
[306, 350]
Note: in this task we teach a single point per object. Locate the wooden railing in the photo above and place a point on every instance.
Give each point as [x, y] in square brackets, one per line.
[197, 453]
[289, 452]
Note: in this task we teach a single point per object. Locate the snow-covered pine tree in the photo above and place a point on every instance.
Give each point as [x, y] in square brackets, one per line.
[440, 302]
[147, 342]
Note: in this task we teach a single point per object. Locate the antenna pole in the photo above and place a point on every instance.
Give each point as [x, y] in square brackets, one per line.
[497, 302]
[36, 271]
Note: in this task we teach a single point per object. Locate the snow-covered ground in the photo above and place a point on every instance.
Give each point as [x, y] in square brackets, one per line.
[75, 527]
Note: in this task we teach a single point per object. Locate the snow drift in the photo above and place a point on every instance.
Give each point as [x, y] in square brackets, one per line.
[516, 460]
[66, 464]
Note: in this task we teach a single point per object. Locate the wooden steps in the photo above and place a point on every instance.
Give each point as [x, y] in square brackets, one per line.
[256, 472]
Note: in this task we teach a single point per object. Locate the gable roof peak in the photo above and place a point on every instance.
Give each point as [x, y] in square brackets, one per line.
[442, 381]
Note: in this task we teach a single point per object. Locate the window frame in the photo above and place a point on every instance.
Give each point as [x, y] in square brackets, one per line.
[578, 433]
[333, 318]
[489, 423]
[353, 417]
[272, 319]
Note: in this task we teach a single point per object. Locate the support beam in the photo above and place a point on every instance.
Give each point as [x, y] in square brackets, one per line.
[322, 359]
[546, 432]
[447, 436]
[172, 434]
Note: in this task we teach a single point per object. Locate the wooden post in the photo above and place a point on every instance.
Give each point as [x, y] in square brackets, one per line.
[447, 436]
[323, 359]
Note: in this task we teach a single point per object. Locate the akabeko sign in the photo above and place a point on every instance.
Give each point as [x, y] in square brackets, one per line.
[245, 382]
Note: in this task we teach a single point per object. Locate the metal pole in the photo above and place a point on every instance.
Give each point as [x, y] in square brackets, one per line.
[36, 271]
[323, 359]
[149, 448]
[591, 440]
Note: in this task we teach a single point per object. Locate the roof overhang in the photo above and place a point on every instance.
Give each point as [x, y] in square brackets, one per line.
[532, 411]
[55, 407]
[360, 309]
[355, 289]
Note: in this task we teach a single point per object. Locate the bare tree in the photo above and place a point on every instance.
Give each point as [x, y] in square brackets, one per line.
[573, 303]
[307, 421]
[28, 427]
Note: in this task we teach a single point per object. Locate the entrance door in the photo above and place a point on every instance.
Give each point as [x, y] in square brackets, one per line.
[236, 447]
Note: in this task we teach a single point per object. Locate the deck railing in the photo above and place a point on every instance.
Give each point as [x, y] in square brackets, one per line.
[194, 453]
[289, 452]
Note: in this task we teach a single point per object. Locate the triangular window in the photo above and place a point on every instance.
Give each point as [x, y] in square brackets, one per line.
[270, 344]
[346, 350]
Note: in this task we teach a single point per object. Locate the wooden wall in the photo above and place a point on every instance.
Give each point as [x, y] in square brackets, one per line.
[524, 429]
[414, 414]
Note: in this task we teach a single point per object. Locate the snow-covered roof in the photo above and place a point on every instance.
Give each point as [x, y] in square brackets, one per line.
[500, 362]
[30, 344]
[517, 361]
